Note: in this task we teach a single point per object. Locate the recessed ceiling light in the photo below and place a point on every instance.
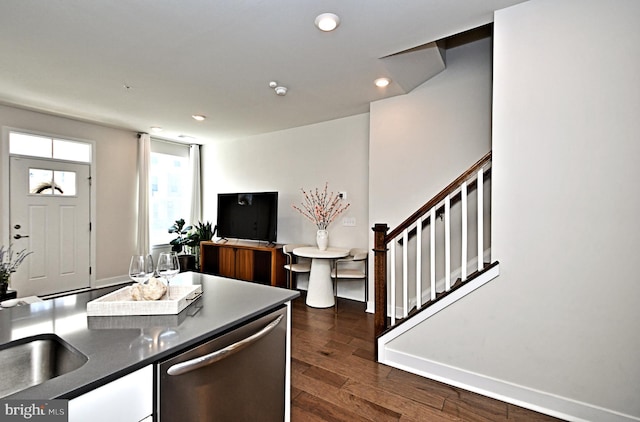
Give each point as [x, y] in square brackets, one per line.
[156, 129]
[198, 117]
[382, 82]
[327, 22]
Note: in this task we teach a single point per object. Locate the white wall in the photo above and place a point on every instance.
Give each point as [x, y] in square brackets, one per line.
[286, 161]
[559, 325]
[114, 187]
[422, 141]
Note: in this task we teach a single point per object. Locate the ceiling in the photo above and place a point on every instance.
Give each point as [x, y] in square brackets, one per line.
[136, 64]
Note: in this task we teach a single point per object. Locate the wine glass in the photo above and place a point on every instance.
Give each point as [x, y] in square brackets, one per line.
[168, 266]
[141, 268]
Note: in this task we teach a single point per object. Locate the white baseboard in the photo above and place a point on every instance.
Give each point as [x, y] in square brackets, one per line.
[539, 401]
[97, 284]
[111, 281]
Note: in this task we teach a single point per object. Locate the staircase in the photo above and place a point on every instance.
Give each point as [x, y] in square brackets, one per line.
[438, 255]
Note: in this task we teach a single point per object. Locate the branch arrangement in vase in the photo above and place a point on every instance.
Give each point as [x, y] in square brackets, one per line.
[321, 207]
[8, 263]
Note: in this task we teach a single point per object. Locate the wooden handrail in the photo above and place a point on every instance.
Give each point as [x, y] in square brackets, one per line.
[438, 198]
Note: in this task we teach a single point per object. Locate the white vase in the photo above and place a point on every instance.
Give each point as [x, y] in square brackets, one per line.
[322, 239]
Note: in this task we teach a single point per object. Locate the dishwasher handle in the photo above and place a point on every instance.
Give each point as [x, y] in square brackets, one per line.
[199, 362]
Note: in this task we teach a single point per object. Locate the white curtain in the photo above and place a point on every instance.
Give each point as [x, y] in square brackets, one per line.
[196, 187]
[144, 154]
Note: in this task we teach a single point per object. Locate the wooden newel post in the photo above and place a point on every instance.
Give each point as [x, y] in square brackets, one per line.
[380, 277]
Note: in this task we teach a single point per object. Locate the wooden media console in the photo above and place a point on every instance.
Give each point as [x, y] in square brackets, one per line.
[244, 260]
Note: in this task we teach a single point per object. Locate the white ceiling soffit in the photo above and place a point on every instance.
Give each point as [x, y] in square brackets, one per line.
[414, 67]
[411, 68]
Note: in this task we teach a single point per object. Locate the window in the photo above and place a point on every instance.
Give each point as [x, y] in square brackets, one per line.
[52, 182]
[48, 147]
[169, 189]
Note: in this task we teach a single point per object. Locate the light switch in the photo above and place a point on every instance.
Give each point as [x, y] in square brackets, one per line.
[349, 221]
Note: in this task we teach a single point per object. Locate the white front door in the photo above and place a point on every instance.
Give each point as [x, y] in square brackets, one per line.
[50, 216]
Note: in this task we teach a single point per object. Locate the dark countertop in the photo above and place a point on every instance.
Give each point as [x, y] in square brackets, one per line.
[119, 345]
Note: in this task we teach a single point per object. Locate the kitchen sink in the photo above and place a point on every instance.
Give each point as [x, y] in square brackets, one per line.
[33, 360]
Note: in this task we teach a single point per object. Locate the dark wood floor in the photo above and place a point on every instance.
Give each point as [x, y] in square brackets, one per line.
[335, 377]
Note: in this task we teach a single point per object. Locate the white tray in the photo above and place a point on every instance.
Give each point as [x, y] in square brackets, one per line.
[120, 302]
[125, 322]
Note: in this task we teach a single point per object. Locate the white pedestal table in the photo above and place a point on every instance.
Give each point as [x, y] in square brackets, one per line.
[320, 291]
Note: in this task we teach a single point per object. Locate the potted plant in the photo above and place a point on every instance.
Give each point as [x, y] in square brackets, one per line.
[200, 232]
[187, 261]
[203, 231]
[9, 264]
[179, 242]
[189, 237]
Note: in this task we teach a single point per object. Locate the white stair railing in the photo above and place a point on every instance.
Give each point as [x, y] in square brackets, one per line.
[446, 218]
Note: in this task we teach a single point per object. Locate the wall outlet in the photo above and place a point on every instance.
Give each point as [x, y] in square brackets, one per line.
[349, 221]
[343, 195]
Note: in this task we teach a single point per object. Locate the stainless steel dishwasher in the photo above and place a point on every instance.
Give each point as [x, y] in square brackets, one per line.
[238, 376]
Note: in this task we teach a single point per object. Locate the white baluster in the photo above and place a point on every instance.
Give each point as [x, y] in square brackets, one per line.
[392, 292]
[447, 243]
[463, 252]
[432, 252]
[419, 263]
[480, 186]
[405, 273]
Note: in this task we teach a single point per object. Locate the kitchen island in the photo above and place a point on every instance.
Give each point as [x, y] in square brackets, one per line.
[118, 346]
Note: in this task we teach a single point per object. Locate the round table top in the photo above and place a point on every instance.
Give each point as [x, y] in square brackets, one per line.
[314, 252]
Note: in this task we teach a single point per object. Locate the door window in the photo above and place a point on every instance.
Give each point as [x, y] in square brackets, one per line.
[52, 182]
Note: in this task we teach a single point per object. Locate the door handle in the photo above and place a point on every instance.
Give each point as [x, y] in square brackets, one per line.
[199, 362]
[19, 236]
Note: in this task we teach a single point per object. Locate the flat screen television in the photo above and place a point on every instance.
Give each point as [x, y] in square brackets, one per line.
[251, 215]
